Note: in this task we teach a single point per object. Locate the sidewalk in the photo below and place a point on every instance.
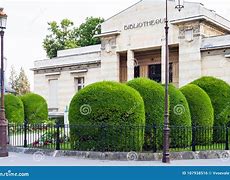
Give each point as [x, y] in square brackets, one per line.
[18, 159]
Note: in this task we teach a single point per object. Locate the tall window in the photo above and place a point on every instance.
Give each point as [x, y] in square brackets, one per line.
[53, 93]
[136, 71]
[79, 83]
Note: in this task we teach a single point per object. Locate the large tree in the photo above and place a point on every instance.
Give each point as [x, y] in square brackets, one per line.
[23, 85]
[19, 83]
[13, 78]
[87, 30]
[66, 36]
[62, 36]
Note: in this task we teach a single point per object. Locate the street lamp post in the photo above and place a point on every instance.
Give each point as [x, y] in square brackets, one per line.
[166, 130]
[3, 121]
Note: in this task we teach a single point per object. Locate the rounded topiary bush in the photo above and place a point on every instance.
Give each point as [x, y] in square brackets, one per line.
[153, 96]
[224, 115]
[35, 108]
[201, 113]
[219, 93]
[14, 109]
[179, 119]
[107, 116]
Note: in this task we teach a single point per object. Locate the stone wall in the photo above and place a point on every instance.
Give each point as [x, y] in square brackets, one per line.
[126, 156]
[80, 62]
[214, 63]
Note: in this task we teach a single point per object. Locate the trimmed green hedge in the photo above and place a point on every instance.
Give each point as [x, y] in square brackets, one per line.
[219, 93]
[35, 108]
[201, 112]
[14, 109]
[179, 119]
[224, 115]
[153, 96]
[107, 116]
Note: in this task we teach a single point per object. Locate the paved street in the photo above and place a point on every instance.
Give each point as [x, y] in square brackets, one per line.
[16, 159]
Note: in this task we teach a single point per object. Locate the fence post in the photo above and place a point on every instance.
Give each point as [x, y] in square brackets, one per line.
[8, 134]
[227, 139]
[25, 132]
[58, 136]
[154, 138]
[193, 138]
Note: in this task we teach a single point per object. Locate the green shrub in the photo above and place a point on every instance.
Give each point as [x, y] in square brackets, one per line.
[14, 109]
[179, 119]
[219, 93]
[225, 116]
[153, 96]
[35, 108]
[201, 112]
[107, 116]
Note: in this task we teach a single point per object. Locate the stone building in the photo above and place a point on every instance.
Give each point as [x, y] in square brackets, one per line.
[133, 45]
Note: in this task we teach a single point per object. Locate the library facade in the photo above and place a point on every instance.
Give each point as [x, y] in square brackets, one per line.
[133, 45]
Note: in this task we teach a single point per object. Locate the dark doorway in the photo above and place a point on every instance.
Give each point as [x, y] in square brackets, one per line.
[170, 72]
[136, 71]
[155, 72]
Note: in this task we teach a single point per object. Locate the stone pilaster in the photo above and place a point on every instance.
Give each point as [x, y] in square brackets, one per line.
[190, 65]
[130, 65]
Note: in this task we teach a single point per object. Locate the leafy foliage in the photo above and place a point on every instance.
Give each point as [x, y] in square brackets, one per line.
[13, 78]
[66, 36]
[106, 115]
[219, 93]
[153, 96]
[179, 118]
[225, 116]
[87, 30]
[35, 108]
[48, 138]
[63, 36]
[23, 85]
[19, 83]
[201, 111]
[14, 109]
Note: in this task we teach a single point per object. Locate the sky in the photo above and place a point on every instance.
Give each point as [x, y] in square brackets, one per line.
[27, 23]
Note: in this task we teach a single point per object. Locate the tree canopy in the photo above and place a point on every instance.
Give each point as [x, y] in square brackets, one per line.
[66, 36]
[62, 36]
[87, 30]
[19, 83]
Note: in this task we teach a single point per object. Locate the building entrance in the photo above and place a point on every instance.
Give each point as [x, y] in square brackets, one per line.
[148, 64]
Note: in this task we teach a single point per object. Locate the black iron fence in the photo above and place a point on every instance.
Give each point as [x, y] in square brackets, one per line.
[117, 138]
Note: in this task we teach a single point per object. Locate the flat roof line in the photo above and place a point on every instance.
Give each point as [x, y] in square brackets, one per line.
[199, 17]
[92, 52]
[215, 48]
[64, 65]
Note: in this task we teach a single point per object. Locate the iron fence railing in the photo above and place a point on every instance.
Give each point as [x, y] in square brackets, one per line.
[117, 137]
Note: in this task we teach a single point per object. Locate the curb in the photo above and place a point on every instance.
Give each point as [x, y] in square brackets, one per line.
[124, 156]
